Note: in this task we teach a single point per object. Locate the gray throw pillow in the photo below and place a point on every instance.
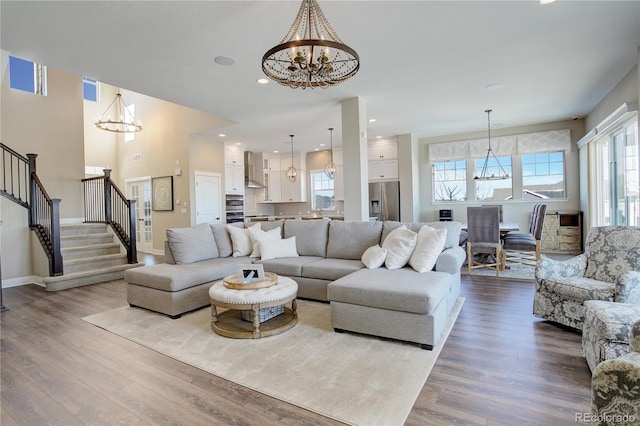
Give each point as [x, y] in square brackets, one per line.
[190, 245]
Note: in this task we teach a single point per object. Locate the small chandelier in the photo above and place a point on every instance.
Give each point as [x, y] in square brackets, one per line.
[124, 121]
[486, 173]
[292, 173]
[311, 54]
[330, 168]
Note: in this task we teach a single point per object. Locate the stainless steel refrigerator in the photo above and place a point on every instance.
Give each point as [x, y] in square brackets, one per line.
[384, 200]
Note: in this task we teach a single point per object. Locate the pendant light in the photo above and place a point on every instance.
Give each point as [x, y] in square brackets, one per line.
[311, 54]
[122, 121]
[486, 173]
[330, 168]
[292, 173]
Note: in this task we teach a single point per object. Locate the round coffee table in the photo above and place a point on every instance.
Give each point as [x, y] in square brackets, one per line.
[231, 324]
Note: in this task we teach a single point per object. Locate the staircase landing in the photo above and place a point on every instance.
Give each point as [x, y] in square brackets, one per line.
[90, 254]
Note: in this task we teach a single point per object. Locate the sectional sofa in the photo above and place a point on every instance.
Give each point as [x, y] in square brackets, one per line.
[327, 259]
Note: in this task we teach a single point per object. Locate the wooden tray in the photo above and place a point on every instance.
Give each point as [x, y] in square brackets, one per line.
[235, 282]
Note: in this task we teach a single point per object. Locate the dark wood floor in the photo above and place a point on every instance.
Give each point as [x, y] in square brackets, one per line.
[499, 366]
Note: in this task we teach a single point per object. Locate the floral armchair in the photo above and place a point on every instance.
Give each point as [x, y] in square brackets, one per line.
[562, 287]
[615, 387]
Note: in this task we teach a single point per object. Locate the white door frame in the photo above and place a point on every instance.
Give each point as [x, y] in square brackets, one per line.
[144, 239]
[221, 210]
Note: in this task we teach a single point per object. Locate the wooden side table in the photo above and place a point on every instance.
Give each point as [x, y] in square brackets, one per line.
[230, 323]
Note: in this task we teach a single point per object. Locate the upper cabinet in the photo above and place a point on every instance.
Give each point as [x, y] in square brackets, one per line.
[383, 160]
[278, 188]
[383, 150]
[234, 170]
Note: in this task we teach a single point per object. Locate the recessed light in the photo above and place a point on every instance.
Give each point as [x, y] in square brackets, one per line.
[378, 137]
[322, 144]
[262, 81]
[238, 143]
[372, 120]
[222, 135]
[275, 151]
[224, 60]
[316, 149]
[495, 86]
[547, 1]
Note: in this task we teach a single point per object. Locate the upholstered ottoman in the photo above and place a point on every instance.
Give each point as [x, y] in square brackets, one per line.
[398, 304]
[607, 326]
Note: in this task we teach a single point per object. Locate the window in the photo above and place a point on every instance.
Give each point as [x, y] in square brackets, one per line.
[27, 76]
[129, 113]
[322, 192]
[89, 89]
[617, 178]
[494, 190]
[543, 175]
[450, 181]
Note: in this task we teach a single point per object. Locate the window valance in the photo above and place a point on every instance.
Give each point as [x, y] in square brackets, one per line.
[529, 143]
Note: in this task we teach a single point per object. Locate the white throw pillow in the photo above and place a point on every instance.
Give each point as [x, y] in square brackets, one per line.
[241, 240]
[276, 249]
[257, 235]
[399, 244]
[374, 257]
[429, 246]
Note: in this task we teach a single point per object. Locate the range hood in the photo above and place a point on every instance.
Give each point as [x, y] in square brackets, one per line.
[250, 172]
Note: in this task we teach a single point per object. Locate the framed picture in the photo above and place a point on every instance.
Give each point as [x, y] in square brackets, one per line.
[162, 193]
[250, 273]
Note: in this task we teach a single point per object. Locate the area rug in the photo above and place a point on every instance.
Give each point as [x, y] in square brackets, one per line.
[515, 271]
[356, 379]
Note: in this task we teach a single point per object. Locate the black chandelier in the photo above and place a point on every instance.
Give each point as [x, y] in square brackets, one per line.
[311, 54]
[487, 173]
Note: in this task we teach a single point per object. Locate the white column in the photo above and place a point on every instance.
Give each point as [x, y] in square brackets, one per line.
[354, 152]
[409, 175]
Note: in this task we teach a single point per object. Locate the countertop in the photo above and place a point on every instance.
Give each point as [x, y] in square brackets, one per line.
[264, 218]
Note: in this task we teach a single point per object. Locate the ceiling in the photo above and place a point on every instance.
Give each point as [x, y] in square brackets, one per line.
[425, 65]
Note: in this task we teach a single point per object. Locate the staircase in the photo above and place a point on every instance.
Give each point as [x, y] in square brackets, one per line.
[90, 255]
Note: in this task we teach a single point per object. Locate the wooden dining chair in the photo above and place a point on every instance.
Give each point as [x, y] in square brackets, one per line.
[524, 248]
[483, 228]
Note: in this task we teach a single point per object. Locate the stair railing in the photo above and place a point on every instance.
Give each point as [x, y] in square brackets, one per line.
[21, 184]
[105, 203]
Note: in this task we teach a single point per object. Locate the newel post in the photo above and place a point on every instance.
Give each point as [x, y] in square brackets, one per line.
[107, 196]
[32, 188]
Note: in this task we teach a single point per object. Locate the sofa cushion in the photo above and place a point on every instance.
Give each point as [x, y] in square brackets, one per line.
[330, 269]
[288, 266]
[311, 236]
[223, 239]
[241, 240]
[276, 249]
[257, 235]
[578, 288]
[190, 245]
[428, 248]
[173, 278]
[453, 230]
[268, 225]
[374, 257]
[349, 240]
[398, 289]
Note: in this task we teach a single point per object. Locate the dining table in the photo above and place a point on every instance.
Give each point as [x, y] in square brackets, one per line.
[504, 227]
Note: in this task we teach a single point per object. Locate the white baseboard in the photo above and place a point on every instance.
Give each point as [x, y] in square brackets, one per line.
[15, 282]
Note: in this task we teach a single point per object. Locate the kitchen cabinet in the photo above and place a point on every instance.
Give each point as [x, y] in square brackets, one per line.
[383, 170]
[234, 179]
[383, 150]
[278, 188]
[234, 170]
[562, 233]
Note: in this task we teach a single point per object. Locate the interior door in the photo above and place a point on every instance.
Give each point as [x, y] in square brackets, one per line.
[140, 190]
[208, 206]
